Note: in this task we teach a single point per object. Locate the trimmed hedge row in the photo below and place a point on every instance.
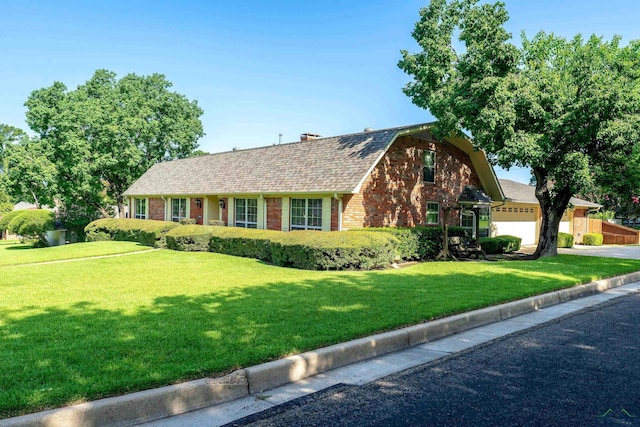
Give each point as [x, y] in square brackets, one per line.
[147, 232]
[419, 243]
[565, 240]
[592, 239]
[500, 244]
[308, 250]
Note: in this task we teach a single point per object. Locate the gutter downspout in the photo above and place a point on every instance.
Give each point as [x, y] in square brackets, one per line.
[165, 206]
[339, 199]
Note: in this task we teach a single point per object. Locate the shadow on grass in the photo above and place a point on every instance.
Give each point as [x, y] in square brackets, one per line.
[18, 247]
[55, 356]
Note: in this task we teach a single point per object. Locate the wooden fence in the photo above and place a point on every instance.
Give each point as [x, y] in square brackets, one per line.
[614, 234]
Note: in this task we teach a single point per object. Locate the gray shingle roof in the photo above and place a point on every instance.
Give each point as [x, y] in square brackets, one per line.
[523, 193]
[325, 165]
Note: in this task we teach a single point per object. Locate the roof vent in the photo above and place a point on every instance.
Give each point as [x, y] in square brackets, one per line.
[234, 149]
[307, 136]
[368, 129]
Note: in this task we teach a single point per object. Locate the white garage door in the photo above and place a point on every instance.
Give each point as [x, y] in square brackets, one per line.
[526, 230]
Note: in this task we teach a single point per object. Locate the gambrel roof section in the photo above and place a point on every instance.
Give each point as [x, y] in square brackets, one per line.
[336, 164]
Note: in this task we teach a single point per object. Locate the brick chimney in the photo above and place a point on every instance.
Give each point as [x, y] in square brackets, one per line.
[307, 136]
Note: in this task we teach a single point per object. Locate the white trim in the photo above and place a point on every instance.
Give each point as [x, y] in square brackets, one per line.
[285, 214]
[231, 212]
[205, 210]
[262, 213]
[326, 214]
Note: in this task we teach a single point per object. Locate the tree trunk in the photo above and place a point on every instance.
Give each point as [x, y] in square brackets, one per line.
[548, 238]
[120, 201]
[552, 210]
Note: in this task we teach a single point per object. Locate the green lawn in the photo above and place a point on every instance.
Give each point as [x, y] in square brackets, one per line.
[81, 330]
[12, 252]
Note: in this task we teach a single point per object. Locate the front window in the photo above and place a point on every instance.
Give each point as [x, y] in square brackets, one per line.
[246, 213]
[306, 214]
[468, 222]
[433, 213]
[178, 209]
[484, 226]
[141, 208]
[429, 167]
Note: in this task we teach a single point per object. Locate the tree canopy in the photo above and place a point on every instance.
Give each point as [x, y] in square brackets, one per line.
[105, 134]
[560, 107]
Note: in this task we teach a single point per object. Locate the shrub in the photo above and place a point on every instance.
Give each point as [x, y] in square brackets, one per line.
[604, 215]
[500, 244]
[592, 239]
[335, 250]
[420, 242]
[217, 222]
[147, 232]
[189, 238]
[32, 224]
[187, 221]
[244, 242]
[565, 240]
[310, 250]
[6, 219]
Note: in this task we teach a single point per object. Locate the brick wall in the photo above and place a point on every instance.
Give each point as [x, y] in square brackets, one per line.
[274, 213]
[225, 211]
[394, 194]
[334, 214]
[156, 209]
[195, 211]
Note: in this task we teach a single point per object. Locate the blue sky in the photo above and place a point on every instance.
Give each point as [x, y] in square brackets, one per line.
[257, 68]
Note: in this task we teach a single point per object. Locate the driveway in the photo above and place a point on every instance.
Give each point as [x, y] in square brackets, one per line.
[612, 251]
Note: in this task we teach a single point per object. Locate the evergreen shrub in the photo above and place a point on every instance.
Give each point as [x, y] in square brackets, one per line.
[592, 239]
[500, 244]
[32, 224]
[144, 231]
[418, 243]
[565, 240]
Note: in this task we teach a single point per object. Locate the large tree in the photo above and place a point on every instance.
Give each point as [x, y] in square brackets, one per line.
[9, 135]
[108, 132]
[31, 175]
[554, 105]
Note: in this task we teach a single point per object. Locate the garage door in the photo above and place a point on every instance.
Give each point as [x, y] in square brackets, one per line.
[526, 230]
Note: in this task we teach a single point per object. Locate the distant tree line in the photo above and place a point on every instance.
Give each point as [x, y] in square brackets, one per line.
[90, 144]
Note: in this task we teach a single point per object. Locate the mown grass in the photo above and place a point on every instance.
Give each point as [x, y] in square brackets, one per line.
[77, 331]
[16, 253]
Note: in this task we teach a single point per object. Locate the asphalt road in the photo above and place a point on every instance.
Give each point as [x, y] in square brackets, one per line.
[580, 370]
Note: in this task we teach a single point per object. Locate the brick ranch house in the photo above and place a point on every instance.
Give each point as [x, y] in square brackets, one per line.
[400, 176]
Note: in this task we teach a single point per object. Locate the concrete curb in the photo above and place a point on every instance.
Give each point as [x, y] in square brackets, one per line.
[177, 399]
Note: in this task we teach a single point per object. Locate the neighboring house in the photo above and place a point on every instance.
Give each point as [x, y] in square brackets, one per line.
[521, 215]
[391, 177]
